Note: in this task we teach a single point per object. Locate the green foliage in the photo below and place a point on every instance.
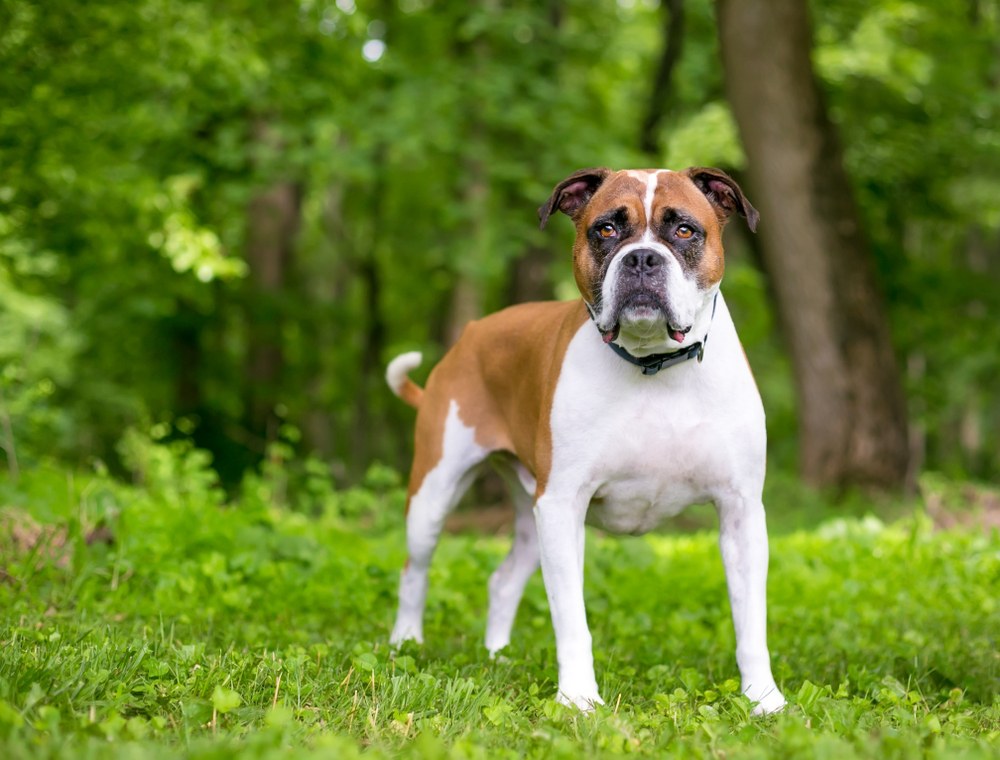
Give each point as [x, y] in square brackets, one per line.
[209, 627]
[244, 601]
[707, 138]
[136, 137]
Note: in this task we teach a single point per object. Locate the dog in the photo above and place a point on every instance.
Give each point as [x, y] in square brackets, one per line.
[618, 410]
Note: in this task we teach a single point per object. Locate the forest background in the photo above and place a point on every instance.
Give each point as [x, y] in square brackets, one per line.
[219, 220]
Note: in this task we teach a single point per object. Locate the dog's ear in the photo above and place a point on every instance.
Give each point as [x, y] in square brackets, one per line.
[572, 193]
[724, 194]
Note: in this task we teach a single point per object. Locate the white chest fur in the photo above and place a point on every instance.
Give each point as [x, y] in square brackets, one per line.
[642, 448]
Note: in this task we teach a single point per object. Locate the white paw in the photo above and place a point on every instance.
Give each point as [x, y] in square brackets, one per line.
[402, 632]
[584, 701]
[768, 700]
[495, 653]
[495, 644]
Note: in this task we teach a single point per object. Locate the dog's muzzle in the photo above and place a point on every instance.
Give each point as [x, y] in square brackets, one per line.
[640, 280]
[636, 293]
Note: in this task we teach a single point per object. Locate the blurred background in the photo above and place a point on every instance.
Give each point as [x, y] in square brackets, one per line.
[219, 220]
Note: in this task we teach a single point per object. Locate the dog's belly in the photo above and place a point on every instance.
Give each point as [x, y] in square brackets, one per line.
[639, 504]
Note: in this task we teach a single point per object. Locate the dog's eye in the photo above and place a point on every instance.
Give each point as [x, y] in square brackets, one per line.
[684, 232]
[607, 231]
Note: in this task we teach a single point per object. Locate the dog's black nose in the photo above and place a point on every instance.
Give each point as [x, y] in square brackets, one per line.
[642, 261]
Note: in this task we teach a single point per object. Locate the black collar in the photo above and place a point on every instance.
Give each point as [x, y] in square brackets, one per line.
[655, 362]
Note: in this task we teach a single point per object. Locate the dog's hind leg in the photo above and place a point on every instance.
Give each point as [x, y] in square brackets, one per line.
[440, 488]
[508, 581]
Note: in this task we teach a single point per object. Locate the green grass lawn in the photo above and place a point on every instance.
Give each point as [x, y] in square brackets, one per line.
[208, 628]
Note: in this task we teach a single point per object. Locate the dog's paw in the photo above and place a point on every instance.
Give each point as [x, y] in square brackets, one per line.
[584, 701]
[496, 654]
[402, 633]
[495, 645]
[767, 701]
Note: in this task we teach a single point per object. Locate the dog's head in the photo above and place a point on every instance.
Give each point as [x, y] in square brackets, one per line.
[648, 254]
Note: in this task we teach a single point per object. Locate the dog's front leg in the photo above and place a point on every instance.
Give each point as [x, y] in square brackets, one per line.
[743, 541]
[561, 540]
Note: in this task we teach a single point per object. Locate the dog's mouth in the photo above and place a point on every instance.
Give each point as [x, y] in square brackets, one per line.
[646, 311]
[678, 334]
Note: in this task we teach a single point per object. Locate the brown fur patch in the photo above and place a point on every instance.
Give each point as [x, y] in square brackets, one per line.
[502, 373]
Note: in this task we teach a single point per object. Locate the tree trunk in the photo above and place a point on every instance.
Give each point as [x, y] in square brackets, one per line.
[272, 224]
[367, 425]
[530, 278]
[659, 97]
[853, 427]
[467, 293]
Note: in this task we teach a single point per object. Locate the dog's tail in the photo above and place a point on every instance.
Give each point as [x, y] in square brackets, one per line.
[397, 376]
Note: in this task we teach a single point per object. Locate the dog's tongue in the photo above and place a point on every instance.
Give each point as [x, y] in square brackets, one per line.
[677, 335]
[610, 335]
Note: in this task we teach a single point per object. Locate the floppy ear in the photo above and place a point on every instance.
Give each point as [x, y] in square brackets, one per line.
[724, 194]
[572, 193]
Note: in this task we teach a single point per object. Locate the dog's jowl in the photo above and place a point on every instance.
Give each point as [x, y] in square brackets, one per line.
[618, 409]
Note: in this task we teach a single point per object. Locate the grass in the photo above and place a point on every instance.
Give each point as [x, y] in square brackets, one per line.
[209, 628]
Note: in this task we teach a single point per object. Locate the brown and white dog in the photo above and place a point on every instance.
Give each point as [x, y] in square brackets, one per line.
[618, 426]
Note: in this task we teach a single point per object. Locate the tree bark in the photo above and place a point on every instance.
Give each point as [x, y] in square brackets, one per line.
[530, 278]
[272, 224]
[673, 41]
[467, 293]
[371, 385]
[852, 418]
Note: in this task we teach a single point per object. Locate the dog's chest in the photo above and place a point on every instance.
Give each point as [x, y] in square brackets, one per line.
[644, 448]
[649, 458]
